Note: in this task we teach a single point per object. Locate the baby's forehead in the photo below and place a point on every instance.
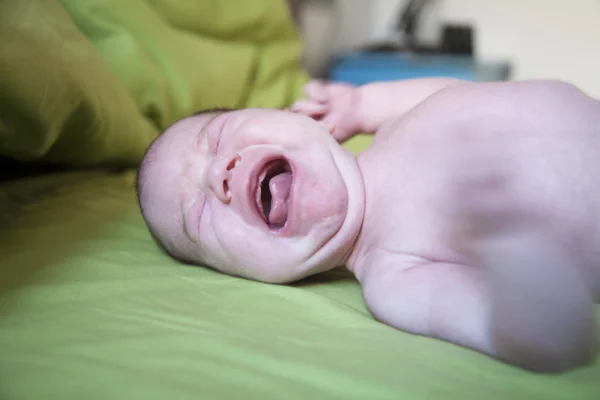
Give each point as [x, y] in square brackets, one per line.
[202, 117]
[180, 135]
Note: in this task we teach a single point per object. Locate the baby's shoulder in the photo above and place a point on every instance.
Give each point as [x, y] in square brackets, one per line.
[487, 94]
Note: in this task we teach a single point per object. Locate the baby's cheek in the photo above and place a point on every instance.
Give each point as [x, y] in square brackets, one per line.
[323, 197]
[328, 204]
[237, 237]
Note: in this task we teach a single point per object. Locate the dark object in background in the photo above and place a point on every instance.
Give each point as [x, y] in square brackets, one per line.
[12, 169]
[406, 58]
[294, 6]
[407, 26]
[457, 39]
[408, 22]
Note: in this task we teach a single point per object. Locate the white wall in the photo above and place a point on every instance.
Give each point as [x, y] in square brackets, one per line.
[542, 38]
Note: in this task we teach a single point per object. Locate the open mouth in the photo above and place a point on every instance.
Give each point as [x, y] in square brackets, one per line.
[273, 192]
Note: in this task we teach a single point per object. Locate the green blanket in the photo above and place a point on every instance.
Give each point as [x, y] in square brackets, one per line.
[91, 309]
[92, 82]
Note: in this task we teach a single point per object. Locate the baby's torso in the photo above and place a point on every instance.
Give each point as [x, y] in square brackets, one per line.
[550, 143]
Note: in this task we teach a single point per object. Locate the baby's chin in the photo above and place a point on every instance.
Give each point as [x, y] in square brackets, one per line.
[346, 220]
[271, 257]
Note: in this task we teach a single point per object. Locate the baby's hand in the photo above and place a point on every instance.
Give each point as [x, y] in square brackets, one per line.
[334, 104]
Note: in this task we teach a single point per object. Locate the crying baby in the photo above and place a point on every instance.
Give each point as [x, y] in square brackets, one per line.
[472, 218]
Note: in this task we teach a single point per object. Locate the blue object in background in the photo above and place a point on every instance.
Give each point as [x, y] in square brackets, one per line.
[364, 67]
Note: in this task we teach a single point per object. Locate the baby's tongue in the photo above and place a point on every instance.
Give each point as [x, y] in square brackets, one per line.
[280, 192]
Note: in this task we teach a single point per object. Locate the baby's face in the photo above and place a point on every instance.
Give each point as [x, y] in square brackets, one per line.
[264, 194]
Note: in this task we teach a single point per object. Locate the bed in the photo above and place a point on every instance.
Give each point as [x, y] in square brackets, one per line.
[90, 308]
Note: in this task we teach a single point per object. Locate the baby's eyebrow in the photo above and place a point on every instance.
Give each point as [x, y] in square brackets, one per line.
[212, 110]
[201, 134]
[182, 223]
[203, 129]
[215, 110]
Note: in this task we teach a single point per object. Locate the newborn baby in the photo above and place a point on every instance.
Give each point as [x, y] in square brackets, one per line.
[474, 217]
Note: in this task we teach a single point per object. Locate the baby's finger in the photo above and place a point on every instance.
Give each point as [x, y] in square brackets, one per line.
[309, 108]
[339, 129]
[316, 91]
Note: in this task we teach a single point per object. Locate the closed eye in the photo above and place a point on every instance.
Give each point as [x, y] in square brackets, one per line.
[216, 139]
[199, 213]
[192, 218]
[211, 133]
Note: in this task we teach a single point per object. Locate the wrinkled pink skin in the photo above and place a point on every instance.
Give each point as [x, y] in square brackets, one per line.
[482, 222]
[472, 218]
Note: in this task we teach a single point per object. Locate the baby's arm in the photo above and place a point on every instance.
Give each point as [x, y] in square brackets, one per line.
[539, 321]
[441, 300]
[364, 109]
[452, 302]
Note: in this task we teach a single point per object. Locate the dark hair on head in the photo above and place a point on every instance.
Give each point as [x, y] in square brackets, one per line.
[213, 110]
[140, 183]
[140, 178]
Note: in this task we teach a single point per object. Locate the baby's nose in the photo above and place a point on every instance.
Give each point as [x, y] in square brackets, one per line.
[219, 175]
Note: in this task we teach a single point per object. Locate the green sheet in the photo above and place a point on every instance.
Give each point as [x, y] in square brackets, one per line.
[90, 309]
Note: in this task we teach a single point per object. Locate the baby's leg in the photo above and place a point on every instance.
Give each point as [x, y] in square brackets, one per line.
[523, 298]
[531, 323]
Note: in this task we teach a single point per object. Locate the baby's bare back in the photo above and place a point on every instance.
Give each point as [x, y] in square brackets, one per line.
[526, 149]
[493, 190]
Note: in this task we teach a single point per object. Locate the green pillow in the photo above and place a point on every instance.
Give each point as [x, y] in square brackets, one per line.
[89, 83]
[59, 100]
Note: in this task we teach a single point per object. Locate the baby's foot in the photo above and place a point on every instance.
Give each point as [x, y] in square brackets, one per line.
[334, 104]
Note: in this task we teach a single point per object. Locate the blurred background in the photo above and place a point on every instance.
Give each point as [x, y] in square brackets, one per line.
[364, 40]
